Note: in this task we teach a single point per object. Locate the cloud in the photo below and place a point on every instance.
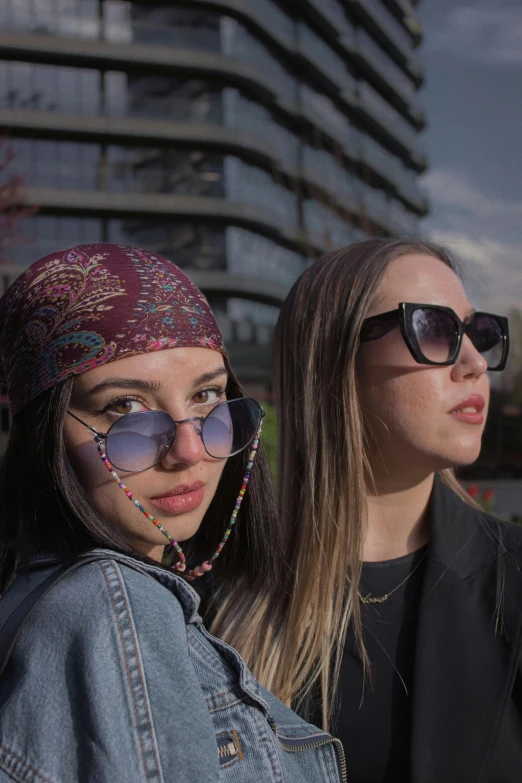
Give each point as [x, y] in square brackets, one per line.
[479, 32]
[493, 257]
[451, 189]
[484, 231]
[492, 269]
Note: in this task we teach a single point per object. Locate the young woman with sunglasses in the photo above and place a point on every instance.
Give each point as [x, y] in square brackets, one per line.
[404, 599]
[130, 432]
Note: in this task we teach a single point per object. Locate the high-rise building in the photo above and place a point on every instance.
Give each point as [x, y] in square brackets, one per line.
[240, 138]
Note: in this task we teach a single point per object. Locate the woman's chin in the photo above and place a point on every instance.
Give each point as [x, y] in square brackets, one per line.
[180, 528]
[460, 456]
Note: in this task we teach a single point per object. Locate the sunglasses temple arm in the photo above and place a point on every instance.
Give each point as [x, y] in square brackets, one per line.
[99, 435]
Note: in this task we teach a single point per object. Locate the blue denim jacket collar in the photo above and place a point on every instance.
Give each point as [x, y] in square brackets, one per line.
[187, 596]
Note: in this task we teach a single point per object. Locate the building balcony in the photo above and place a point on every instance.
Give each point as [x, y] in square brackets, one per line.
[163, 60]
[132, 130]
[336, 187]
[97, 203]
[255, 149]
[389, 30]
[249, 147]
[420, 161]
[404, 7]
[123, 59]
[325, 60]
[31, 47]
[333, 12]
[264, 14]
[249, 347]
[385, 166]
[413, 195]
[225, 284]
[391, 77]
[386, 120]
[118, 27]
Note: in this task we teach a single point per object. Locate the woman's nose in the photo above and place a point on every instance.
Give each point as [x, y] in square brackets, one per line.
[188, 448]
[470, 362]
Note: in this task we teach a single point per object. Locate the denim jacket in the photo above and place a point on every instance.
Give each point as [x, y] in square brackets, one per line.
[114, 678]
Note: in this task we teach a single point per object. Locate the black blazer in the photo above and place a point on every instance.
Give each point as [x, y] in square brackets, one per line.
[467, 693]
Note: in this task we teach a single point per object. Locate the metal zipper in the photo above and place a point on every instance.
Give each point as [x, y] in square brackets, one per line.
[294, 745]
[228, 750]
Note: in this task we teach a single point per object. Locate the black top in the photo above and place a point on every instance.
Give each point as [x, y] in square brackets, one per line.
[466, 699]
[373, 719]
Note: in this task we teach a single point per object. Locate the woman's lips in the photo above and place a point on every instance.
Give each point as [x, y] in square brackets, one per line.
[181, 499]
[470, 410]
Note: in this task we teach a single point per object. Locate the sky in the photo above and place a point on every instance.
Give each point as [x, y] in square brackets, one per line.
[472, 57]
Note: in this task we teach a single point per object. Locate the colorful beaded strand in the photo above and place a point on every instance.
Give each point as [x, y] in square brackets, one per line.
[207, 565]
[181, 565]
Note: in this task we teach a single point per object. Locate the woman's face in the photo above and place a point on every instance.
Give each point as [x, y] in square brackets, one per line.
[185, 383]
[409, 407]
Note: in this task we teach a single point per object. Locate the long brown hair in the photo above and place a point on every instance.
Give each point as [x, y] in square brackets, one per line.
[324, 465]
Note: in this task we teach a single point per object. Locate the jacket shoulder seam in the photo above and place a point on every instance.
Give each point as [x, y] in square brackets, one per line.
[133, 670]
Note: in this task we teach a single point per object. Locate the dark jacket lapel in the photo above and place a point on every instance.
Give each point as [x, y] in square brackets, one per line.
[465, 663]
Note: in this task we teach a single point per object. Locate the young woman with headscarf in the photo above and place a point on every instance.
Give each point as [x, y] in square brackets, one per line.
[130, 433]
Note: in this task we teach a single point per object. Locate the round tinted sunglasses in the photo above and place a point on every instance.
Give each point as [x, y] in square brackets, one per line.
[434, 333]
[138, 441]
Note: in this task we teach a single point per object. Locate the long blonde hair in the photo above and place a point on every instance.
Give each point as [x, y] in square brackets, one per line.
[323, 465]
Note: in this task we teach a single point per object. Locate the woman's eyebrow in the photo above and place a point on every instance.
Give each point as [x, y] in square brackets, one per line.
[209, 376]
[125, 383]
[149, 386]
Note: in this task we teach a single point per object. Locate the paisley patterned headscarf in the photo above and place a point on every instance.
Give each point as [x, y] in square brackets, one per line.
[91, 304]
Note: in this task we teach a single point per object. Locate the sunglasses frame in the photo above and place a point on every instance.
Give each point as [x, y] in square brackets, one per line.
[101, 437]
[403, 316]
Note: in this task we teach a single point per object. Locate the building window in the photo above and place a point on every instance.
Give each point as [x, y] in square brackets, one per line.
[248, 184]
[44, 234]
[184, 28]
[163, 170]
[189, 245]
[255, 256]
[325, 227]
[245, 114]
[240, 44]
[242, 310]
[50, 88]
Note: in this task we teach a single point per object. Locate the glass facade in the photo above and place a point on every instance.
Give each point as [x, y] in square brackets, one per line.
[117, 168]
[390, 27]
[190, 244]
[385, 66]
[316, 130]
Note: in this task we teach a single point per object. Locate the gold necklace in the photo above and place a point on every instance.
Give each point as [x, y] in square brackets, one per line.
[367, 599]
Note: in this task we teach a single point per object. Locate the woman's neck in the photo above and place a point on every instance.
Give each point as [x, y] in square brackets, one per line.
[397, 519]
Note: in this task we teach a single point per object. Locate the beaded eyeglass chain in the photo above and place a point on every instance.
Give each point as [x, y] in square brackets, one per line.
[181, 565]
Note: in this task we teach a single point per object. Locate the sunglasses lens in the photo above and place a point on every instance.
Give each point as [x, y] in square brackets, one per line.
[487, 337]
[138, 441]
[436, 333]
[230, 427]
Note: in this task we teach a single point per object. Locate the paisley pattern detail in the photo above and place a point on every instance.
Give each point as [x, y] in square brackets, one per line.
[82, 307]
